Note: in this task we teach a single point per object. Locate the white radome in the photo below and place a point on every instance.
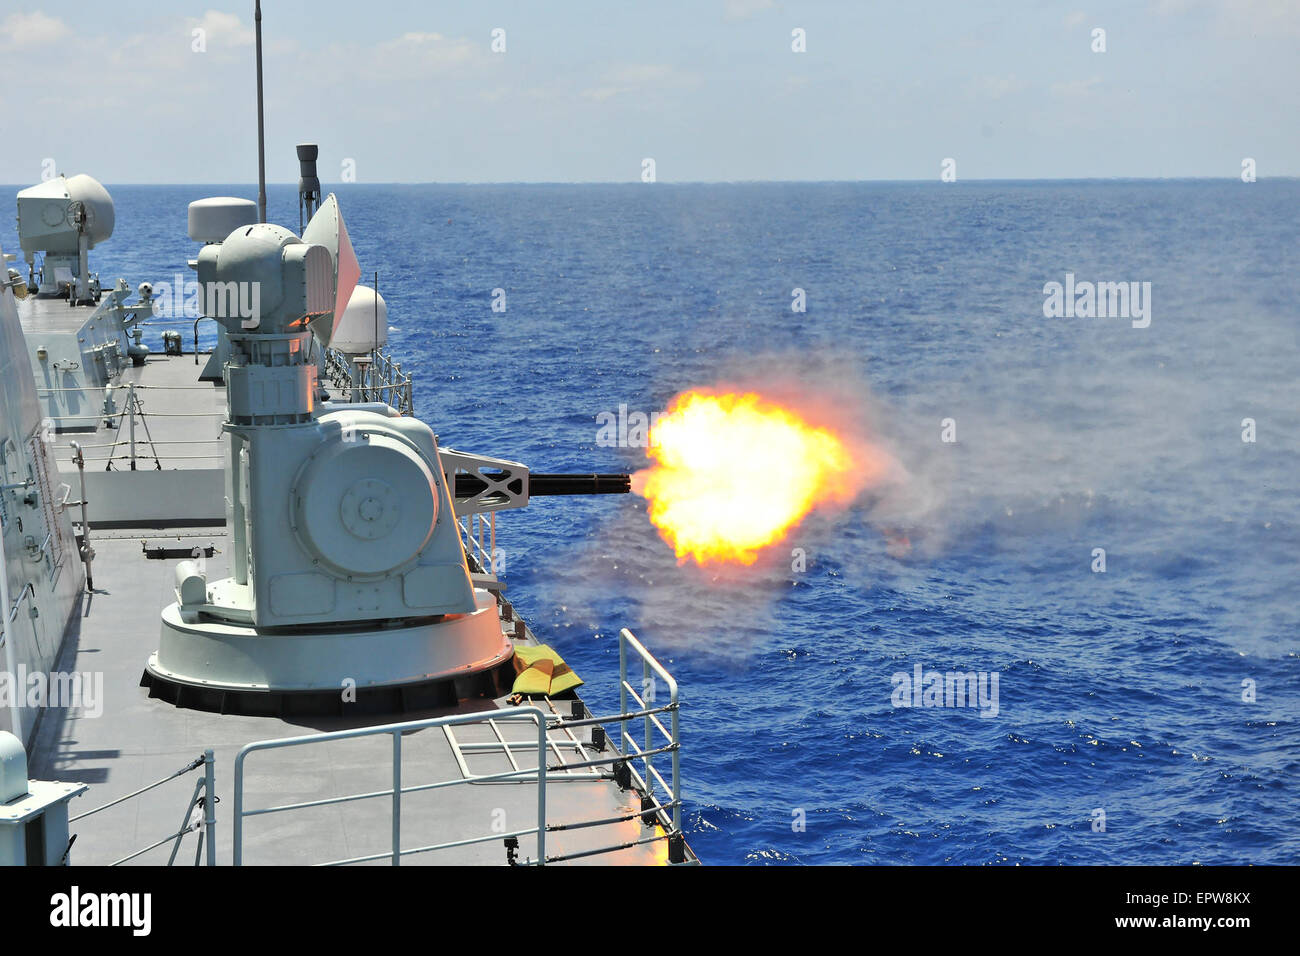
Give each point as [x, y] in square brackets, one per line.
[359, 329]
[211, 220]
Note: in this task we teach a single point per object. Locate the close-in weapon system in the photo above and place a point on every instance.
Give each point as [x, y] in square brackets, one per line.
[348, 572]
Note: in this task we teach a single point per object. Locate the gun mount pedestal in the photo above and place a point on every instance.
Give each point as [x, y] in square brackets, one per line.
[419, 665]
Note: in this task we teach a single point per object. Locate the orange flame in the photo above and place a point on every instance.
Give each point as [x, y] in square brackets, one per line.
[733, 473]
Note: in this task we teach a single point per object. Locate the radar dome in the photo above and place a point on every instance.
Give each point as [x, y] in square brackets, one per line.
[212, 219]
[364, 325]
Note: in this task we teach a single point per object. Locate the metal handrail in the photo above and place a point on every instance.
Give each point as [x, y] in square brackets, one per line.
[649, 781]
[126, 443]
[379, 380]
[169, 459]
[204, 795]
[29, 590]
[396, 852]
[106, 416]
[337, 369]
[474, 527]
[650, 669]
[123, 385]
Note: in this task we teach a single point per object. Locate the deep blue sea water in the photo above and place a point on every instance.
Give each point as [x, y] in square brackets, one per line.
[1120, 691]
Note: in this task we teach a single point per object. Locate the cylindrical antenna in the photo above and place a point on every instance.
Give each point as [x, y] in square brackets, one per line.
[261, 135]
[308, 184]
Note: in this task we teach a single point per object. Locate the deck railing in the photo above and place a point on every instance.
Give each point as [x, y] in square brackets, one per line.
[133, 442]
[652, 672]
[396, 791]
[378, 380]
[479, 535]
[660, 799]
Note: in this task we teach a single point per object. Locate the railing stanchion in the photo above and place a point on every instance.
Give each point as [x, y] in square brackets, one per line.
[130, 400]
[622, 693]
[238, 825]
[397, 797]
[209, 805]
[541, 791]
[647, 701]
[677, 765]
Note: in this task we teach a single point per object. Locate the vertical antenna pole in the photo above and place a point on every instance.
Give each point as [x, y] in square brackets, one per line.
[261, 136]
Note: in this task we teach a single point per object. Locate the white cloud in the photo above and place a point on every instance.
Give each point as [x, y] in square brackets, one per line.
[415, 54]
[1265, 16]
[996, 87]
[744, 9]
[1076, 89]
[640, 77]
[31, 30]
[639, 74]
[1255, 16]
[223, 29]
[602, 93]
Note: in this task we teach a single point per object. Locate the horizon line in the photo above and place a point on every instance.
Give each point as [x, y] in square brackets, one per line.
[725, 182]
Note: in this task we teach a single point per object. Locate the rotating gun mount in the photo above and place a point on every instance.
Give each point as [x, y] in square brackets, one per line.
[347, 561]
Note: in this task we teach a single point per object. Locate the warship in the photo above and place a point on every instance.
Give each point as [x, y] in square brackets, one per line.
[251, 608]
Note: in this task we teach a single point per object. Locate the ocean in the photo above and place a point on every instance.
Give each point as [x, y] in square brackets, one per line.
[1099, 515]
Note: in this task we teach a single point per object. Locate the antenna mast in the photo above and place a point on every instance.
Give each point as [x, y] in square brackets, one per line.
[261, 136]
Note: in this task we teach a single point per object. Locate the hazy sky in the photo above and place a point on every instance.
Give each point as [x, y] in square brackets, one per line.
[411, 90]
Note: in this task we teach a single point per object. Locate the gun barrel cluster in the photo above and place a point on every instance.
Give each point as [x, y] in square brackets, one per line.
[554, 484]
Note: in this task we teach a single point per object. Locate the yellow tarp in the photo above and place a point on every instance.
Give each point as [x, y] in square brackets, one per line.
[542, 672]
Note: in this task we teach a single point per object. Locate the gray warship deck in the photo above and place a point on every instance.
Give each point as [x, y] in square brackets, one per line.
[138, 740]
